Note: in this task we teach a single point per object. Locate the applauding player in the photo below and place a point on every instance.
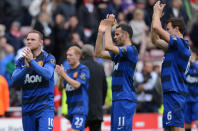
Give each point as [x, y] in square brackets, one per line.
[125, 56]
[175, 66]
[35, 73]
[76, 84]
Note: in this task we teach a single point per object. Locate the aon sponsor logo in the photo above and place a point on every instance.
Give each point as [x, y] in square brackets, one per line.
[69, 87]
[192, 79]
[32, 78]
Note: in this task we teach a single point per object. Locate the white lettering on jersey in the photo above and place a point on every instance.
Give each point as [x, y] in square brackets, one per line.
[116, 66]
[32, 78]
[192, 79]
[69, 87]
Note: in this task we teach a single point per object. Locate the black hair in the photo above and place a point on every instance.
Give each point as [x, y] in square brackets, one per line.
[177, 22]
[126, 28]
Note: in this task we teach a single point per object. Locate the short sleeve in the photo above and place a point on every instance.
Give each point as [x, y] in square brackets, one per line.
[112, 55]
[173, 41]
[128, 51]
[83, 76]
[51, 60]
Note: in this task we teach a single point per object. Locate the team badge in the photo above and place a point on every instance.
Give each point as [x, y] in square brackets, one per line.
[75, 75]
[174, 38]
[83, 76]
[40, 63]
[52, 61]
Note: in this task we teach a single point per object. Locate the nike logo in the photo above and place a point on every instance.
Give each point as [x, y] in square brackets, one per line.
[167, 123]
[119, 128]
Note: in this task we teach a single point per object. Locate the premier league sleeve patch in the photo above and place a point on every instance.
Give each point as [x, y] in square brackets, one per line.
[83, 76]
[52, 61]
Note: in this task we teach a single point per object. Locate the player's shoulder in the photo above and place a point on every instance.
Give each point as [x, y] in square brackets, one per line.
[130, 48]
[21, 59]
[82, 67]
[48, 55]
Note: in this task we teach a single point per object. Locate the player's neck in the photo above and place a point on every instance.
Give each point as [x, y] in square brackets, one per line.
[36, 52]
[75, 65]
[127, 42]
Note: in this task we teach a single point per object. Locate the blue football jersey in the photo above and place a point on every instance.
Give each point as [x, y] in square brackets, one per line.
[192, 82]
[77, 99]
[37, 83]
[175, 66]
[123, 73]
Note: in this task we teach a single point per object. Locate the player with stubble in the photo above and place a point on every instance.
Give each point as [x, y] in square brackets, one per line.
[34, 72]
[125, 56]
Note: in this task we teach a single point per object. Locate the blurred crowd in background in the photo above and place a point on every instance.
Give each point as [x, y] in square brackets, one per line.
[75, 22]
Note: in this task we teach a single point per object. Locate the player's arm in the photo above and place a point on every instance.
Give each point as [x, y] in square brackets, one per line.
[74, 83]
[46, 71]
[157, 41]
[60, 85]
[157, 27]
[19, 73]
[109, 46]
[99, 51]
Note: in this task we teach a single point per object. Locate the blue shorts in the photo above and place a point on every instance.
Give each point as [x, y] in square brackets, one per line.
[40, 121]
[122, 112]
[191, 113]
[173, 115]
[77, 122]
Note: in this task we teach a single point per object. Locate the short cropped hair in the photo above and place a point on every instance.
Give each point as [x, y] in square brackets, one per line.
[76, 49]
[37, 32]
[126, 28]
[177, 22]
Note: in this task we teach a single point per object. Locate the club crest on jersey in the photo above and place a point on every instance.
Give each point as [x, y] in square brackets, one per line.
[75, 75]
[40, 63]
[32, 79]
[174, 38]
[52, 61]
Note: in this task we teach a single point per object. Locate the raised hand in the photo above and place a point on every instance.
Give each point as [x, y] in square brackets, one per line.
[60, 70]
[158, 8]
[27, 53]
[102, 26]
[110, 20]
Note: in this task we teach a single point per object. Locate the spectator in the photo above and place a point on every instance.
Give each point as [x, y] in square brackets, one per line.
[60, 38]
[6, 59]
[88, 17]
[139, 33]
[43, 25]
[114, 7]
[4, 96]
[97, 88]
[14, 37]
[176, 10]
[194, 33]
[75, 27]
[66, 8]
[145, 82]
[13, 11]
